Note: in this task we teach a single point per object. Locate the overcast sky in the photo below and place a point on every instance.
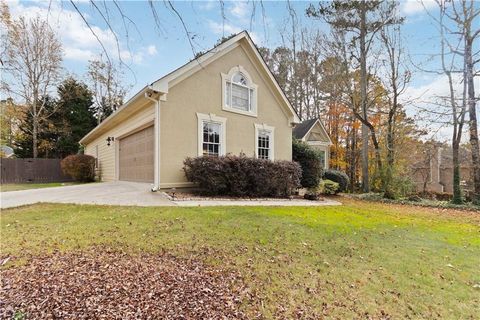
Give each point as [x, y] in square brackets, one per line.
[152, 51]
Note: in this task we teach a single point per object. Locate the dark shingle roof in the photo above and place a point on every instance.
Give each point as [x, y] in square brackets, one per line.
[302, 128]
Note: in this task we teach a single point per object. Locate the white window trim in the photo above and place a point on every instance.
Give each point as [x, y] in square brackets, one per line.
[251, 85]
[318, 143]
[325, 159]
[271, 130]
[201, 118]
[327, 150]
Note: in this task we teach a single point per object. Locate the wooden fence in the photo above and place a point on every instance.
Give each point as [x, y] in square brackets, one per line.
[31, 170]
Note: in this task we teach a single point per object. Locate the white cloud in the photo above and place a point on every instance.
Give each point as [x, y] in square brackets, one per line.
[228, 29]
[219, 28]
[239, 9]
[413, 7]
[71, 53]
[207, 5]
[436, 89]
[79, 42]
[430, 100]
[139, 55]
[152, 50]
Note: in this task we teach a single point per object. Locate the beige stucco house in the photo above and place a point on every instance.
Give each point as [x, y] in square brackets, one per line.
[434, 170]
[225, 101]
[313, 132]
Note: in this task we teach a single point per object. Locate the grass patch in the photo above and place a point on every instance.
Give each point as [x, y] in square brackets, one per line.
[351, 261]
[25, 186]
[378, 197]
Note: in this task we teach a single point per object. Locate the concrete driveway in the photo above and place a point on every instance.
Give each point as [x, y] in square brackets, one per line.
[107, 193]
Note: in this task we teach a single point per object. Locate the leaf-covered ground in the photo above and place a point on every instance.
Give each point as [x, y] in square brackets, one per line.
[110, 284]
[360, 260]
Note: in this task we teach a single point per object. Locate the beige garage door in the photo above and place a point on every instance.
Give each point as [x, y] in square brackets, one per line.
[136, 156]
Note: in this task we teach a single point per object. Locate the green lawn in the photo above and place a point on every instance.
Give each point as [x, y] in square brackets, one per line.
[359, 260]
[26, 186]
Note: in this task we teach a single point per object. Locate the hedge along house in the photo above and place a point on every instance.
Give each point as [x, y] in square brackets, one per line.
[313, 132]
[225, 101]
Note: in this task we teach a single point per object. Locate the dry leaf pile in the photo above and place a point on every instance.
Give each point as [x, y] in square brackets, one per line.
[103, 284]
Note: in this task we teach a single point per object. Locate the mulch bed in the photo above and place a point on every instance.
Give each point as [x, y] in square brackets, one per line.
[197, 196]
[108, 284]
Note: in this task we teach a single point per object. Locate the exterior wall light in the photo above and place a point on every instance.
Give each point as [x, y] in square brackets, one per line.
[110, 139]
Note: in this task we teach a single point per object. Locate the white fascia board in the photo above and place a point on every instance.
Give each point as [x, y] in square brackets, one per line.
[323, 128]
[296, 119]
[113, 115]
[162, 85]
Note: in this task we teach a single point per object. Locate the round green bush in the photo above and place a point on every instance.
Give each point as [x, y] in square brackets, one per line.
[339, 177]
[329, 187]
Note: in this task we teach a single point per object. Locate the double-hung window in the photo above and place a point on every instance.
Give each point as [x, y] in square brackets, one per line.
[211, 138]
[263, 144]
[264, 141]
[211, 135]
[239, 92]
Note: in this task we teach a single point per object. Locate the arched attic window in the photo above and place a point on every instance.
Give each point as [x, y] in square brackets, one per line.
[239, 94]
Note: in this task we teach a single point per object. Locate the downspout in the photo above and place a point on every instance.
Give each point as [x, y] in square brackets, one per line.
[156, 147]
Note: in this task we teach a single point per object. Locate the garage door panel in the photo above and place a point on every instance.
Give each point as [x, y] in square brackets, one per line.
[136, 156]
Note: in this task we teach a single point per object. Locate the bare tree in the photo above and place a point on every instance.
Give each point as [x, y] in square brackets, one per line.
[397, 77]
[456, 104]
[465, 14]
[454, 22]
[105, 81]
[119, 21]
[32, 62]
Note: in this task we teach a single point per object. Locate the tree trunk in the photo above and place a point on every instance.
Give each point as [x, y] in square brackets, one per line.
[457, 192]
[35, 138]
[351, 156]
[388, 174]
[35, 130]
[473, 129]
[378, 156]
[363, 97]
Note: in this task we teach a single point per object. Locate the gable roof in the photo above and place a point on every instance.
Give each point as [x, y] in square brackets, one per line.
[301, 130]
[162, 85]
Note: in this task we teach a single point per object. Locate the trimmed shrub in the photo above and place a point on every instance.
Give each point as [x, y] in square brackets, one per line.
[339, 177]
[443, 196]
[309, 160]
[313, 193]
[329, 187]
[80, 167]
[243, 176]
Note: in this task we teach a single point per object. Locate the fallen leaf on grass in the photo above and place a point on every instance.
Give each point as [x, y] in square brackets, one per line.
[113, 285]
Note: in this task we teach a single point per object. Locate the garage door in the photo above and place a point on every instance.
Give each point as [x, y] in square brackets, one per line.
[136, 156]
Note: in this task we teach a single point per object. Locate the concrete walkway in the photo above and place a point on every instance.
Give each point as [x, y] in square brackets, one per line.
[105, 193]
[122, 193]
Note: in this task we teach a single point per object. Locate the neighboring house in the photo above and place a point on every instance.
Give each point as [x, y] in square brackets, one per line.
[225, 101]
[435, 172]
[313, 132]
[6, 152]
